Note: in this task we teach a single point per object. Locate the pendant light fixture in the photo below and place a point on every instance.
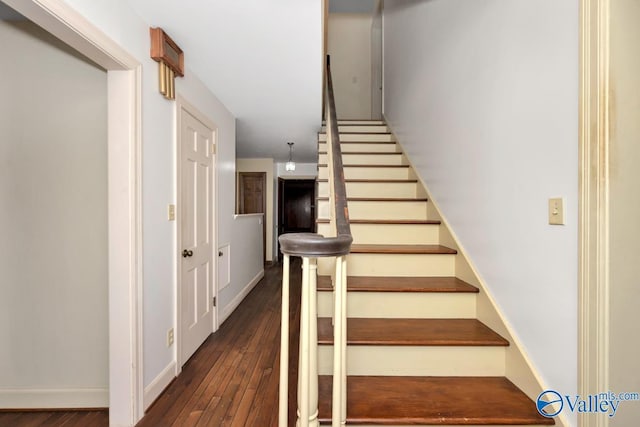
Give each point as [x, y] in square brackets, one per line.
[290, 166]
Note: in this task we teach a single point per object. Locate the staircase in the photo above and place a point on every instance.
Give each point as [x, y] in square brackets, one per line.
[416, 355]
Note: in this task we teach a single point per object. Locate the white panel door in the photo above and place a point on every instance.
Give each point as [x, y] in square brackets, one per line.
[196, 222]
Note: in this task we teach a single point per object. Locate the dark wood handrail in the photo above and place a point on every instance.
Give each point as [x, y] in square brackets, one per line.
[339, 187]
[314, 245]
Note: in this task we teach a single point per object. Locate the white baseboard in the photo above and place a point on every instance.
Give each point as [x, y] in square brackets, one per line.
[75, 398]
[157, 386]
[226, 312]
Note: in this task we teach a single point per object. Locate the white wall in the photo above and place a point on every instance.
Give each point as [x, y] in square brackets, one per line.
[624, 271]
[350, 50]
[247, 262]
[484, 98]
[53, 222]
[376, 64]
[263, 165]
[117, 20]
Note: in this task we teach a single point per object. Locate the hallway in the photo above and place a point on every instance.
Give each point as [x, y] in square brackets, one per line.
[232, 380]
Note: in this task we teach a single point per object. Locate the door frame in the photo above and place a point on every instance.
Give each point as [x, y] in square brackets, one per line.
[594, 221]
[124, 75]
[182, 104]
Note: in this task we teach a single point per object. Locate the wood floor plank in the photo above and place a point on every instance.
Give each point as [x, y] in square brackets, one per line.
[57, 418]
[9, 418]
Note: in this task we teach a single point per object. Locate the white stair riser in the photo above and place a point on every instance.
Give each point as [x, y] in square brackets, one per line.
[366, 159]
[359, 128]
[387, 210]
[402, 305]
[346, 137]
[353, 147]
[379, 210]
[394, 265]
[374, 189]
[398, 234]
[367, 173]
[417, 360]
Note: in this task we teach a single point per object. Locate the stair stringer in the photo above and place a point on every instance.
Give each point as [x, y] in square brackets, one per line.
[519, 368]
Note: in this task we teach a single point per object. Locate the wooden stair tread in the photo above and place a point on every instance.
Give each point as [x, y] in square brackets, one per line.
[362, 133]
[401, 249]
[411, 181]
[364, 142]
[324, 165]
[387, 221]
[382, 199]
[341, 132]
[359, 153]
[413, 332]
[400, 284]
[348, 121]
[431, 400]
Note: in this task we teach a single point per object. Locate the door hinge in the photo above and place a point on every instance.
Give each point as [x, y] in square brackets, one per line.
[213, 148]
[214, 301]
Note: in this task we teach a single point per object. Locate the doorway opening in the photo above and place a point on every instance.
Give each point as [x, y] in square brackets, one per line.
[296, 207]
[123, 195]
[53, 192]
[252, 198]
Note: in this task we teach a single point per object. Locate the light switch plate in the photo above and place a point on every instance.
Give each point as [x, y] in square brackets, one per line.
[172, 212]
[556, 211]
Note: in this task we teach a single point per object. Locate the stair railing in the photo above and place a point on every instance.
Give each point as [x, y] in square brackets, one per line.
[310, 247]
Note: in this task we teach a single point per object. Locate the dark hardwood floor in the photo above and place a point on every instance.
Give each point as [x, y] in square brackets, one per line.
[232, 380]
[54, 418]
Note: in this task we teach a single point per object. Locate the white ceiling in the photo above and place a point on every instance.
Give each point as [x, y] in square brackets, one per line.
[262, 59]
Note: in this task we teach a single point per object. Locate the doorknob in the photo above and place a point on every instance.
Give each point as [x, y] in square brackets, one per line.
[186, 253]
[220, 253]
